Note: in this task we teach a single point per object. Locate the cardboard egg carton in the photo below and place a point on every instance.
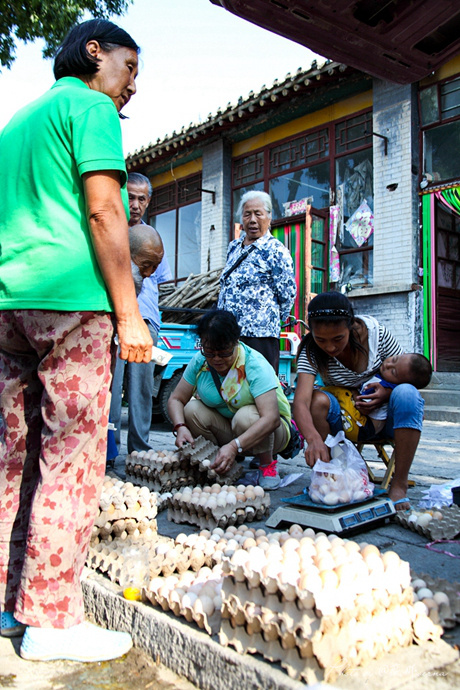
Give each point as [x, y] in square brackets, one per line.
[316, 628]
[220, 516]
[449, 615]
[167, 482]
[447, 527]
[181, 606]
[164, 471]
[111, 557]
[203, 455]
[165, 474]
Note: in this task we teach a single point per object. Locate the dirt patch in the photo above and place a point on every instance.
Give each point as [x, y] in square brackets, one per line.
[135, 671]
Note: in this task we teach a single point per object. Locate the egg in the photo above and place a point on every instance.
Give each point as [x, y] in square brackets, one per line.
[423, 520]
[441, 597]
[424, 593]
[188, 600]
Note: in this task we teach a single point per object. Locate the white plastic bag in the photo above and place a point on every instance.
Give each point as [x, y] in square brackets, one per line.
[342, 480]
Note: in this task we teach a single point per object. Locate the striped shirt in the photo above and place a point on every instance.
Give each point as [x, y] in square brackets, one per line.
[381, 345]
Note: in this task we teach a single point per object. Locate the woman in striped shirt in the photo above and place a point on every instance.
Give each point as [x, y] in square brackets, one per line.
[346, 351]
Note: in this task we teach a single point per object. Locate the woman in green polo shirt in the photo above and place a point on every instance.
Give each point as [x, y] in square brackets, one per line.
[65, 277]
[241, 405]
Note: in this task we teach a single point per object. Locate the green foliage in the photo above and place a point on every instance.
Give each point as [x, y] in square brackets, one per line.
[48, 19]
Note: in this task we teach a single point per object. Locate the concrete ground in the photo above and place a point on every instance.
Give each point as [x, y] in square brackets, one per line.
[163, 640]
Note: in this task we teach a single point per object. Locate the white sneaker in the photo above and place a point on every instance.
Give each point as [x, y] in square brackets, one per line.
[82, 642]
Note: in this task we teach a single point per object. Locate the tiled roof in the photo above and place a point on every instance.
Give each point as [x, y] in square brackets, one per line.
[244, 109]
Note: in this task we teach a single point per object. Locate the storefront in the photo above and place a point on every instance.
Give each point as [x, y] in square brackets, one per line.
[440, 138]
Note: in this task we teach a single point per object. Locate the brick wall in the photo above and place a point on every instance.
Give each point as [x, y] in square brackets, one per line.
[395, 211]
[215, 218]
[393, 300]
[401, 313]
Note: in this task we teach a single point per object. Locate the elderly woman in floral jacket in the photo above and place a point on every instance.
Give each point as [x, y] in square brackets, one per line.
[257, 284]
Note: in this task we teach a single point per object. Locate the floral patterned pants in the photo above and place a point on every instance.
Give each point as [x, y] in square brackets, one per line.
[55, 374]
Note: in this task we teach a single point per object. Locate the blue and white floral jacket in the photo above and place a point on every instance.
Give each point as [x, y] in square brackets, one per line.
[261, 290]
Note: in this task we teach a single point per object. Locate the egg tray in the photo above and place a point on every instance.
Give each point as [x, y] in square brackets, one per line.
[297, 666]
[251, 587]
[203, 454]
[448, 619]
[109, 558]
[301, 639]
[334, 646]
[221, 516]
[446, 528]
[210, 623]
[125, 522]
[168, 481]
[187, 467]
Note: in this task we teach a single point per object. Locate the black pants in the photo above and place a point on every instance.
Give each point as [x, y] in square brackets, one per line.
[268, 347]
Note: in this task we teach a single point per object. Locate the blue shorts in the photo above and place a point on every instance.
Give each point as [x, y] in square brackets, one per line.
[405, 411]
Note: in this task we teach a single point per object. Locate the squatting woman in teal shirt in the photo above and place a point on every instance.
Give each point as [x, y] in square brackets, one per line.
[241, 405]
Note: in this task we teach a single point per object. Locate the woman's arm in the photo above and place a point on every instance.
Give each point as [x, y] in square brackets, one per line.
[109, 232]
[176, 403]
[316, 448]
[267, 407]
[285, 288]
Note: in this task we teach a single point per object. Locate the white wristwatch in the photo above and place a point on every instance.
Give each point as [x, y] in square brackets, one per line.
[238, 445]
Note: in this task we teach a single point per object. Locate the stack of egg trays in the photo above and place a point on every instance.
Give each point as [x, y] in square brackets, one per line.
[188, 467]
[108, 557]
[285, 624]
[221, 516]
[210, 623]
[446, 528]
[203, 455]
[451, 589]
[161, 477]
[123, 522]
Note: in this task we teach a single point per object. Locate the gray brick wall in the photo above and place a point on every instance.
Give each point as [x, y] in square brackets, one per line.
[400, 312]
[215, 218]
[393, 299]
[396, 215]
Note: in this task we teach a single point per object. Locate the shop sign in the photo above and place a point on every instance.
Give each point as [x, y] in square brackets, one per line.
[294, 208]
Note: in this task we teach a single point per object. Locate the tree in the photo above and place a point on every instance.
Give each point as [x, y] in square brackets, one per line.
[48, 19]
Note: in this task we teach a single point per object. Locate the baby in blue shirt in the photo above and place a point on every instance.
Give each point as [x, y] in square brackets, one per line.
[407, 368]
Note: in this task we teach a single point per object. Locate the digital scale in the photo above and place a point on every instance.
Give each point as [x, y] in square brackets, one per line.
[341, 519]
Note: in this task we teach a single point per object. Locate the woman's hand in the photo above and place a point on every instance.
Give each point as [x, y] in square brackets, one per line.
[225, 458]
[184, 436]
[134, 339]
[368, 402]
[316, 450]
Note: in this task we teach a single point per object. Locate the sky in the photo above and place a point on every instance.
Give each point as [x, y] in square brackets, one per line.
[195, 58]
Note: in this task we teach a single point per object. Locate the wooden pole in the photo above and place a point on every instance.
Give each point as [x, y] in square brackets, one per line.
[308, 264]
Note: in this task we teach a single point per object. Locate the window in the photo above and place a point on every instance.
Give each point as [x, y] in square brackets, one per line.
[300, 151]
[438, 145]
[175, 211]
[354, 193]
[337, 159]
[313, 183]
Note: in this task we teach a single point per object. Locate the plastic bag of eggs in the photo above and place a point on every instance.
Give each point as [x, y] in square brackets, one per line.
[335, 483]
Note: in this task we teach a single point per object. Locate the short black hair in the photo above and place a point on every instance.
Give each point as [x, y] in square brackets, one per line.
[72, 58]
[421, 370]
[219, 329]
[329, 307]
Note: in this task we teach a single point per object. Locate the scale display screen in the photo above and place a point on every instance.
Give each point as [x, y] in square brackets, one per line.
[361, 516]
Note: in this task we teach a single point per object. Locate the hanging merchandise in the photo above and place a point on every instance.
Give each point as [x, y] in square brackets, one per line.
[334, 259]
[339, 202]
[361, 224]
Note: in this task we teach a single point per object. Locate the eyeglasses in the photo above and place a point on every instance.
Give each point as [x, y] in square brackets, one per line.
[222, 354]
